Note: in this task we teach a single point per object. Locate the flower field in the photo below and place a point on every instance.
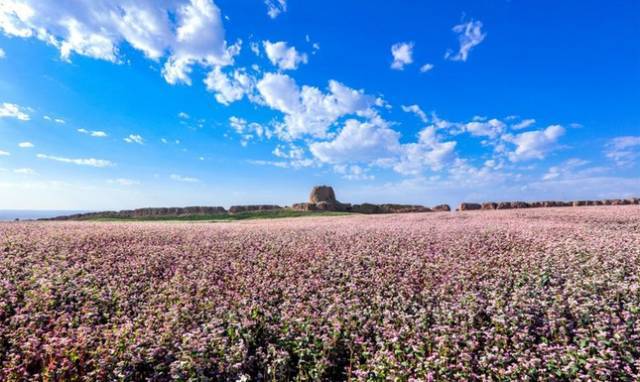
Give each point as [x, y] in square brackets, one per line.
[538, 294]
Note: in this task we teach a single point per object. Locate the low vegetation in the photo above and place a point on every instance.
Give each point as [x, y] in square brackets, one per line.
[535, 294]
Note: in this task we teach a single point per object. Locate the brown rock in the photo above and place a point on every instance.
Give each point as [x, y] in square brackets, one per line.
[256, 207]
[322, 194]
[504, 206]
[441, 208]
[469, 206]
[489, 206]
[366, 208]
[304, 207]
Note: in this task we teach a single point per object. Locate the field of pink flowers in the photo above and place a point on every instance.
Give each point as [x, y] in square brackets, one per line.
[544, 294]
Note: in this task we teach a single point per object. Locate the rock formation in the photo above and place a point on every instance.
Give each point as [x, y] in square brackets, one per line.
[441, 208]
[251, 208]
[322, 194]
[489, 206]
[469, 206]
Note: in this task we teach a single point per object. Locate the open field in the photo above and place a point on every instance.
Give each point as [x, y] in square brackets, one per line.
[247, 215]
[536, 294]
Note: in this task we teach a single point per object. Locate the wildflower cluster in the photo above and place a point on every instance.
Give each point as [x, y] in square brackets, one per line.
[538, 294]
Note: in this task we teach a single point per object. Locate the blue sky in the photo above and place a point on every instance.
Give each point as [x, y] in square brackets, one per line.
[119, 104]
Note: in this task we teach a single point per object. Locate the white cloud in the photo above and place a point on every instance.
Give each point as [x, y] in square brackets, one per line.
[134, 138]
[56, 120]
[280, 164]
[186, 179]
[524, 124]
[359, 142]
[623, 150]
[565, 170]
[124, 182]
[186, 32]
[94, 133]
[24, 171]
[11, 110]
[415, 109]
[309, 111]
[26, 145]
[426, 68]
[428, 152]
[248, 131]
[402, 55]
[283, 56]
[4, 153]
[353, 172]
[227, 88]
[2, 54]
[491, 128]
[199, 39]
[469, 35]
[183, 115]
[92, 162]
[534, 144]
[275, 7]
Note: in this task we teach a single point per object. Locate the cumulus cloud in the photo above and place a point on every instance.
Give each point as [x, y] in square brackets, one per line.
[359, 142]
[183, 115]
[185, 32]
[4, 153]
[134, 138]
[415, 109]
[402, 53]
[491, 128]
[199, 39]
[308, 110]
[469, 35]
[11, 110]
[92, 162]
[2, 54]
[26, 145]
[426, 68]
[275, 7]
[429, 152]
[283, 56]
[623, 150]
[534, 144]
[93, 133]
[229, 88]
[185, 179]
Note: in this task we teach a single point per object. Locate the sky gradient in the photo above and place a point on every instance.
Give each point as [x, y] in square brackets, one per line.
[123, 104]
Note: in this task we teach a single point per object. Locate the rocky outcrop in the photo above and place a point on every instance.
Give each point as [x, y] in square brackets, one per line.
[519, 204]
[469, 206]
[253, 208]
[322, 194]
[366, 208]
[504, 206]
[489, 206]
[441, 208]
[146, 213]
